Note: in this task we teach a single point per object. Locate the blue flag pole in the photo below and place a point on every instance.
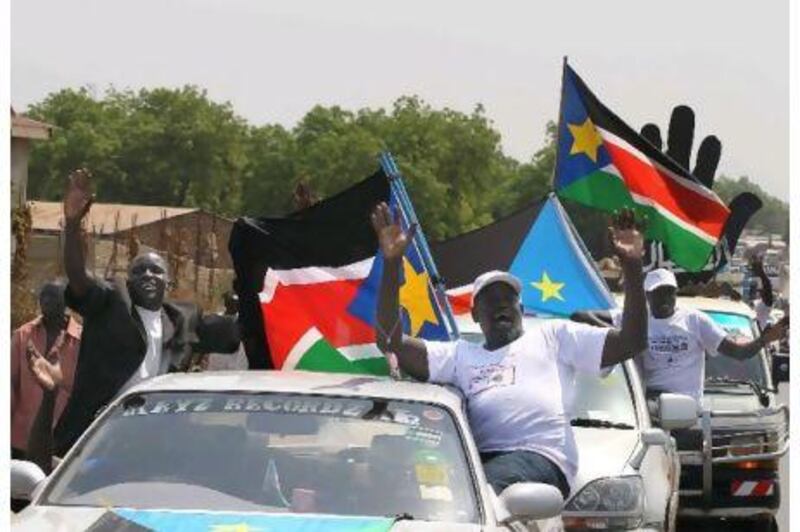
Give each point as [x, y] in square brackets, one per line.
[409, 214]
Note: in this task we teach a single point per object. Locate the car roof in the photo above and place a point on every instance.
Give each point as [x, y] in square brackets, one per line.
[303, 382]
[706, 304]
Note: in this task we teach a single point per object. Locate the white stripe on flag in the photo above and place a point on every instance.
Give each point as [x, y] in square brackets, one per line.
[312, 275]
[360, 352]
[644, 200]
[682, 181]
[305, 342]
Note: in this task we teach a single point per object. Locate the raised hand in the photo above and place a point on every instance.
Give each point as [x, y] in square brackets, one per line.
[626, 237]
[776, 332]
[47, 374]
[78, 197]
[391, 237]
[680, 138]
[679, 144]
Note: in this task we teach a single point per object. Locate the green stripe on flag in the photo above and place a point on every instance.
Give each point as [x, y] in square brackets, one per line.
[322, 356]
[607, 191]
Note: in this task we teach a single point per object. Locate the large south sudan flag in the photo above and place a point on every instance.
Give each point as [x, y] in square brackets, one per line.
[541, 247]
[308, 285]
[605, 164]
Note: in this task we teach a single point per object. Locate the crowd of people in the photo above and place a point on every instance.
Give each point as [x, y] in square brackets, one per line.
[517, 383]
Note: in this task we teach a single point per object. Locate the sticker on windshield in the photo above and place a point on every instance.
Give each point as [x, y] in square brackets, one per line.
[426, 436]
[286, 405]
[432, 415]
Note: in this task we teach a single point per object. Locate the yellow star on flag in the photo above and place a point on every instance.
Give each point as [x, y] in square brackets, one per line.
[549, 289]
[415, 299]
[586, 139]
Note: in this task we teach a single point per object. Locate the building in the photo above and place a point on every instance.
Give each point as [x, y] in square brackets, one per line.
[24, 130]
[194, 240]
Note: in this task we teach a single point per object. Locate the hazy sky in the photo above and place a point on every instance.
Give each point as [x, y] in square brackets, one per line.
[727, 59]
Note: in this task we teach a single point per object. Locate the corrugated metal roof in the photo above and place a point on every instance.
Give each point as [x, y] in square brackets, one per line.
[28, 128]
[47, 215]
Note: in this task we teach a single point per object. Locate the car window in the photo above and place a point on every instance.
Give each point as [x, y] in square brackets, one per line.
[730, 368]
[273, 453]
[604, 398]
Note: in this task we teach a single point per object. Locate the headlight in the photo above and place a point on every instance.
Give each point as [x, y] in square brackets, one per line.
[606, 503]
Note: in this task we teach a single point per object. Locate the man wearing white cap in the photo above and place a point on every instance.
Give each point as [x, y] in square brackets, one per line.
[516, 384]
[678, 339]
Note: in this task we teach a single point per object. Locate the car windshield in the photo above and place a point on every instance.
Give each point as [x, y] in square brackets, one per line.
[273, 453]
[722, 367]
[605, 398]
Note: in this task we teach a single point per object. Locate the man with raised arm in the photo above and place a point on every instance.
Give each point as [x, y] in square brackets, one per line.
[679, 338]
[130, 333]
[517, 383]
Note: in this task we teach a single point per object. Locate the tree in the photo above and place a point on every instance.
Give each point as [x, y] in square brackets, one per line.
[773, 216]
[156, 147]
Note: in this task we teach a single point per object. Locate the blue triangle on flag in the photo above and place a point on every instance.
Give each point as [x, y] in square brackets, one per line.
[558, 276]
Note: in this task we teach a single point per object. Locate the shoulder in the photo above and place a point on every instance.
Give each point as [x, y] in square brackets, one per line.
[27, 328]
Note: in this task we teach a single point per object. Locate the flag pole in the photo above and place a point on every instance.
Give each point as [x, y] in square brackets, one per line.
[558, 122]
[398, 187]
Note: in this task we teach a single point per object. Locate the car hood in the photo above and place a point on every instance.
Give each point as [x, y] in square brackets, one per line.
[731, 398]
[602, 452]
[78, 519]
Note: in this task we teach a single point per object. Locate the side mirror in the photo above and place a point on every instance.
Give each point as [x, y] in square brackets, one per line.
[650, 437]
[531, 500]
[780, 368]
[677, 411]
[25, 477]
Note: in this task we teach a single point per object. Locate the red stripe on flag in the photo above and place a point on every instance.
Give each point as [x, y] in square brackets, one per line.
[684, 203]
[296, 308]
[460, 303]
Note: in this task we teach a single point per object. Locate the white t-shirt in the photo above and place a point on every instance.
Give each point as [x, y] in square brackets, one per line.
[675, 361]
[153, 363]
[762, 313]
[520, 397]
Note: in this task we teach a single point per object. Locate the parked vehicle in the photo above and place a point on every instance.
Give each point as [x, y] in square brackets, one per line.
[277, 450]
[628, 470]
[730, 461]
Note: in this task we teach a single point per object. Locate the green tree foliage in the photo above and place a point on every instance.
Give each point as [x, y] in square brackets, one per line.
[773, 216]
[177, 147]
[157, 147]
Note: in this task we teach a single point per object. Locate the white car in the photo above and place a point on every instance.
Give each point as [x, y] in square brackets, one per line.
[628, 470]
[259, 450]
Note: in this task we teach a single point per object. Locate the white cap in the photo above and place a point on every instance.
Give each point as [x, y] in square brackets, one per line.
[659, 277]
[494, 276]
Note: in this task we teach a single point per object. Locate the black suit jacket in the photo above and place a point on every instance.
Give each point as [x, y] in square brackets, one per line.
[113, 346]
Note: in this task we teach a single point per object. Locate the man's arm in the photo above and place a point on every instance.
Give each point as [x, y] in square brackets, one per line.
[412, 356]
[741, 349]
[77, 201]
[598, 318]
[40, 439]
[767, 297]
[631, 338]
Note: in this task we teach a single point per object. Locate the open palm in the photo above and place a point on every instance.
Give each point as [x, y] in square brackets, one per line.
[47, 374]
[391, 236]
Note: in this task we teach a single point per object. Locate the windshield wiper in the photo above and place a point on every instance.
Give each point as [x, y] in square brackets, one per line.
[763, 397]
[405, 516]
[599, 423]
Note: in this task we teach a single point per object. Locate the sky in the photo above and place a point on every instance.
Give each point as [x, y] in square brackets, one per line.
[729, 60]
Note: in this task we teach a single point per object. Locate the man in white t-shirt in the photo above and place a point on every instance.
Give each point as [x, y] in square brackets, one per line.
[518, 384]
[678, 339]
